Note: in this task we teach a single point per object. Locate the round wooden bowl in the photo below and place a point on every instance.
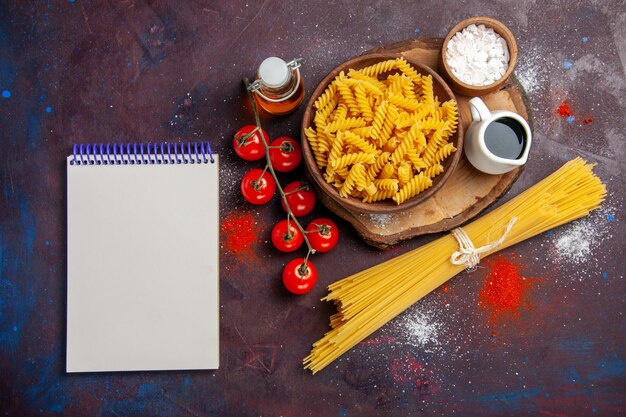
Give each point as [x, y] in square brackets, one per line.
[473, 90]
[354, 205]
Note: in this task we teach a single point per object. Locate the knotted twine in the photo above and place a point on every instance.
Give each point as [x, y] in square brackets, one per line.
[468, 254]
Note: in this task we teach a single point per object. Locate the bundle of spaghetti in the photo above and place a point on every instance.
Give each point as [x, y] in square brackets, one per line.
[369, 299]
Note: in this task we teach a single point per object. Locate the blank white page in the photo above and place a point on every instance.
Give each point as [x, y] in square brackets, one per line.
[143, 267]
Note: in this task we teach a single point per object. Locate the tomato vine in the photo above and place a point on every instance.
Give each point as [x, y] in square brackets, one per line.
[305, 268]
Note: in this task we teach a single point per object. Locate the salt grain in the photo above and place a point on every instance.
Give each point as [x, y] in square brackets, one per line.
[477, 55]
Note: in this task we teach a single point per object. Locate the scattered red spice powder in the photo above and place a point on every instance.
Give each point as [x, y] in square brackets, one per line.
[504, 290]
[407, 368]
[240, 232]
[564, 109]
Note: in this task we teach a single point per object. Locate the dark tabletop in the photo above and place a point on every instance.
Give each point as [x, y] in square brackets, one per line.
[74, 71]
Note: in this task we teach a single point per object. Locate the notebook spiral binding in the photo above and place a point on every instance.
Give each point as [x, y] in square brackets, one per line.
[142, 153]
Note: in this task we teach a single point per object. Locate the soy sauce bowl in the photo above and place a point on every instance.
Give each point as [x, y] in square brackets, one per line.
[466, 89]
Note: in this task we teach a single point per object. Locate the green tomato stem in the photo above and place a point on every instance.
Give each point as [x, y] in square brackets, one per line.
[303, 269]
[288, 235]
[256, 184]
[243, 139]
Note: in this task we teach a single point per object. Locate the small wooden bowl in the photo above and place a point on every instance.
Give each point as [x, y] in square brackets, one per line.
[473, 90]
[354, 205]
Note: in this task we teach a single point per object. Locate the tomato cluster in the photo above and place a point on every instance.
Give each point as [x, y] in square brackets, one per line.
[258, 186]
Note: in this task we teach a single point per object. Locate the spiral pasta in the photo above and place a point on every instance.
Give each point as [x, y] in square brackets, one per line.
[385, 131]
[371, 84]
[364, 132]
[391, 145]
[436, 141]
[416, 160]
[381, 133]
[379, 196]
[450, 114]
[417, 184]
[433, 171]
[363, 103]
[404, 102]
[388, 171]
[347, 96]
[379, 68]
[401, 150]
[387, 184]
[444, 152]
[340, 112]
[408, 70]
[320, 157]
[353, 158]
[344, 124]
[379, 119]
[405, 119]
[326, 96]
[404, 173]
[335, 151]
[359, 142]
[377, 166]
[356, 172]
[427, 90]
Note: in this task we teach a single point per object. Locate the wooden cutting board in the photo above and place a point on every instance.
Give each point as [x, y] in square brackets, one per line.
[466, 193]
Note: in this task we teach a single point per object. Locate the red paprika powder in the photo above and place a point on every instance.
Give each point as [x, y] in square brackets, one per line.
[504, 289]
[564, 109]
[240, 232]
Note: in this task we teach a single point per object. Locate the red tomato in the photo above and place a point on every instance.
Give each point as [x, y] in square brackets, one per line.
[258, 187]
[247, 143]
[285, 154]
[300, 197]
[298, 277]
[286, 242]
[322, 234]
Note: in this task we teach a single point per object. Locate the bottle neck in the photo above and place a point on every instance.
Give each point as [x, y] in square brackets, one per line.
[283, 92]
[280, 90]
[278, 94]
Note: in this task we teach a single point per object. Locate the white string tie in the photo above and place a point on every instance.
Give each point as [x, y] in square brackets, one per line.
[469, 255]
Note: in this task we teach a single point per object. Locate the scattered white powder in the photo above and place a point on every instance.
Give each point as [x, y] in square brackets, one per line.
[425, 325]
[576, 242]
[422, 329]
[230, 178]
[529, 76]
[477, 55]
[380, 220]
[533, 74]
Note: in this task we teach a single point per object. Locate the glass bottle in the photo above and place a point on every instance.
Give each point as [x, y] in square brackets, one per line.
[278, 88]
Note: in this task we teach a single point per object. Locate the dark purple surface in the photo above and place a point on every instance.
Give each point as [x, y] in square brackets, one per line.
[124, 71]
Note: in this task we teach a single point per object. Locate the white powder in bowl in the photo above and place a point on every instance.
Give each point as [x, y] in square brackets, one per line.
[477, 55]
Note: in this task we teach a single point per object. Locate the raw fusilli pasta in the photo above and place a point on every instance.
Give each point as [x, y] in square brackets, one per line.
[380, 132]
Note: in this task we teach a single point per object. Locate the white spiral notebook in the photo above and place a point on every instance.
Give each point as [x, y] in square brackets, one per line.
[142, 257]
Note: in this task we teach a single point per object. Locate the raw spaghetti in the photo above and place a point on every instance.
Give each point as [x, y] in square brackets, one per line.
[369, 299]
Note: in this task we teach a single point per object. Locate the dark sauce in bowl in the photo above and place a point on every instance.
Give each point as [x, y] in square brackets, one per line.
[506, 138]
